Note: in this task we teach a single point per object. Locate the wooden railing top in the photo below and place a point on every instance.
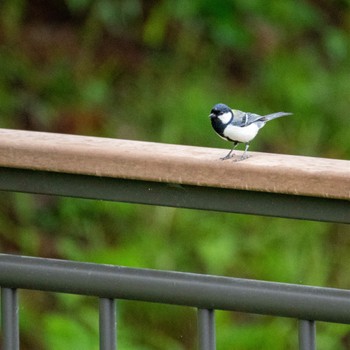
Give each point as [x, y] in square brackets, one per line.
[177, 164]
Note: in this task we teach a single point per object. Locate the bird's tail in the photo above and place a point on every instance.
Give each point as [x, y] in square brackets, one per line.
[274, 116]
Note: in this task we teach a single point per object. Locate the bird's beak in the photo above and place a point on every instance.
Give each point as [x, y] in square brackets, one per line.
[211, 115]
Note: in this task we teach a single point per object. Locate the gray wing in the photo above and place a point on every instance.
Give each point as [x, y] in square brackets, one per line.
[245, 118]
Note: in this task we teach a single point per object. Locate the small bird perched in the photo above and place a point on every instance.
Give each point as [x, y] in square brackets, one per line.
[237, 126]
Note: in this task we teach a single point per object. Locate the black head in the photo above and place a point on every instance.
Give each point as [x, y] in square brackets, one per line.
[218, 110]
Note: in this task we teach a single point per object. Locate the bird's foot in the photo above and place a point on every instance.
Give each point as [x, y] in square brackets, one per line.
[229, 156]
[242, 158]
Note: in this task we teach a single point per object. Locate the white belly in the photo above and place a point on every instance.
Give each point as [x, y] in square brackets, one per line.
[241, 134]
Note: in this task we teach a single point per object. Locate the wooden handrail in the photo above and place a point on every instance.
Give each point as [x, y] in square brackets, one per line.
[177, 164]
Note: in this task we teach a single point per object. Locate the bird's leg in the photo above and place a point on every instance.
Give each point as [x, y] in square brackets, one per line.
[244, 155]
[228, 156]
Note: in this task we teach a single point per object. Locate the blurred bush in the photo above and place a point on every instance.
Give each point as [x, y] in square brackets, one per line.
[151, 70]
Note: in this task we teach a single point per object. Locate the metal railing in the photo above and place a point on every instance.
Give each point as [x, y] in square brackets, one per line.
[206, 293]
[178, 176]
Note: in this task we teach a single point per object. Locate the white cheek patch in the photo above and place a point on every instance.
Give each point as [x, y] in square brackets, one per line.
[225, 118]
[241, 134]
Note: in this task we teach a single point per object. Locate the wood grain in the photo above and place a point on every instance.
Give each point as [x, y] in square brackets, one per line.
[266, 172]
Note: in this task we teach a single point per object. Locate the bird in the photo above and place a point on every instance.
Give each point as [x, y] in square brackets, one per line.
[238, 126]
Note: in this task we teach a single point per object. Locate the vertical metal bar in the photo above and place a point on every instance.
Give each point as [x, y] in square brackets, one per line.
[108, 324]
[206, 329]
[307, 335]
[9, 319]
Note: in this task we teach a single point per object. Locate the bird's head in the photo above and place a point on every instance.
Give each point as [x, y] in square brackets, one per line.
[221, 111]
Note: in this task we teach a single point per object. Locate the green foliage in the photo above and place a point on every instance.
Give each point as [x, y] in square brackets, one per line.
[152, 71]
[66, 332]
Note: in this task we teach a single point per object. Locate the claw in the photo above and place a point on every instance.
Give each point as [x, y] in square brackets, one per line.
[230, 154]
[227, 157]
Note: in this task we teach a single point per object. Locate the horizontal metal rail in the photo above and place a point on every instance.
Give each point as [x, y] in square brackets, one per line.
[182, 196]
[201, 291]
